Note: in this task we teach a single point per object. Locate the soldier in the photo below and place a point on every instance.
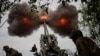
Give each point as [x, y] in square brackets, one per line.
[34, 50]
[85, 46]
[11, 51]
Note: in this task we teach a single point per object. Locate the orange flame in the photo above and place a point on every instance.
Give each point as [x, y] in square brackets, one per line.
[43, 17]
[25, 20]
[63, 21]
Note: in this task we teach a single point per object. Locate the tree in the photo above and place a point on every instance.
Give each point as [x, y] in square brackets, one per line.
[91, 14]
[5, 5]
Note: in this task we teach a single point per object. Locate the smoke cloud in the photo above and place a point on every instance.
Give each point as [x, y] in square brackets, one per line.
[22, 20]
[64, 19]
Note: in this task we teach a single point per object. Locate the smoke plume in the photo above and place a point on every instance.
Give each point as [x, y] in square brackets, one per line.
[22, 20]
[63, 20]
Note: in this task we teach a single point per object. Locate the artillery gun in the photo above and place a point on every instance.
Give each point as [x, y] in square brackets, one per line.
[48, 44]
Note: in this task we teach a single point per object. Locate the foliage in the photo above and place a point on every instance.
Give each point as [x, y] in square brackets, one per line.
[38, 4]
[5, 5]
[90, 12]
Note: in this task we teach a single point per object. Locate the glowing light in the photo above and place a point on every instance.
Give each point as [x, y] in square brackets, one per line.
[25, 19]
[63, 21]
[43, 17]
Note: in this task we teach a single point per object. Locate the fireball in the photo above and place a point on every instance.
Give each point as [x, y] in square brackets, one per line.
[25, 20]
[63, 21]
[43, 17]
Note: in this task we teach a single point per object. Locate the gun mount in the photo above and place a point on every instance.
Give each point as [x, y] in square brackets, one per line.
[48, 44]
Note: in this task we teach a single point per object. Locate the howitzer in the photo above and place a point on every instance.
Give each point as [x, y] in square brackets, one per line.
[48, 44]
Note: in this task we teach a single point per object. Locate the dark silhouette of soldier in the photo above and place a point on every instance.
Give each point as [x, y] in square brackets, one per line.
[34, 49]
[85, 46]
[11, 51]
